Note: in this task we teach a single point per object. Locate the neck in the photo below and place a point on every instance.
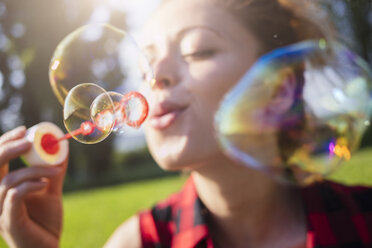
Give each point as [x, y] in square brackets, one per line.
[247, 207]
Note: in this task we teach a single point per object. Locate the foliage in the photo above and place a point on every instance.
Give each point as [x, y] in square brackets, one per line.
[29, 33]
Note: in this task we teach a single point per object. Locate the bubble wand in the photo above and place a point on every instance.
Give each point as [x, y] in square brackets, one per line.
[50, 145]
[92, 106]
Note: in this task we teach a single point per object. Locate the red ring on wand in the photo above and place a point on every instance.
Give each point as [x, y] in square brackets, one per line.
[145, 108]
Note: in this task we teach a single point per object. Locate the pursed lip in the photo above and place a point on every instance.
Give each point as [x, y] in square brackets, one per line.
[164, 114]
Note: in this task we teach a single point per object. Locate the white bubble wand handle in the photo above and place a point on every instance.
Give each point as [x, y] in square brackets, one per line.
[44, 151]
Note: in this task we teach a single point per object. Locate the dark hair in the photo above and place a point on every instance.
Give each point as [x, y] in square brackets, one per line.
[277, 23]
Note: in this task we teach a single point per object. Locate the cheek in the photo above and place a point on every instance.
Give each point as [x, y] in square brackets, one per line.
[210, 81]
[145, 90]
[208, 85]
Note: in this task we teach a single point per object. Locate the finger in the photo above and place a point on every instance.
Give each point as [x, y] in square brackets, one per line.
[56, 182]
[26, 174]
[14, 134]
[13, 149]
[13, 203]
[4, 170]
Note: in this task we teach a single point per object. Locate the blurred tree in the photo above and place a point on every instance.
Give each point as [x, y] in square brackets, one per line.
[353, 21]
[29, 33]
[360, 14]
[361, 23]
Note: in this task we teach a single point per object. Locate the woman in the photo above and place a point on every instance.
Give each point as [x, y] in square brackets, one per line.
[199, 50]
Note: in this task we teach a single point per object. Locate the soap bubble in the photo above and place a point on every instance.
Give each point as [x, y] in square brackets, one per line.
[92, 72]
[298, 112]
[130, 110]
[78, 111]
[90, 113]
[100, 54]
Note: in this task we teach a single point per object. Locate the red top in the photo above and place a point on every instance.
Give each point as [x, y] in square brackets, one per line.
[337, 216]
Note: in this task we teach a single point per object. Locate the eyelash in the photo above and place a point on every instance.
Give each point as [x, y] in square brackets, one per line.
[200, 55]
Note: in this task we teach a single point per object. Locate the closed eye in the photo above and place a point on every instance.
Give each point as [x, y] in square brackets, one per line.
[200, 55]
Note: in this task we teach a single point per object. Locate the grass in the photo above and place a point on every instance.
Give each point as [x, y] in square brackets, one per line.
[357, 171]
[92, 215]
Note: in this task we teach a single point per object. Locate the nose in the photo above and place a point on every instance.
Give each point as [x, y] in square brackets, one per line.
[160, 83]
[165, 74]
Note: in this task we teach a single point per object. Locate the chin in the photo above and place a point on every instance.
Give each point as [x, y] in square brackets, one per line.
[180, 152]
[170, 166]
[169, 161]
[185, 159]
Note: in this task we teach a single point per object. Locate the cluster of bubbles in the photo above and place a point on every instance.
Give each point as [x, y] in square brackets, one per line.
[298, 112]
[93, 72]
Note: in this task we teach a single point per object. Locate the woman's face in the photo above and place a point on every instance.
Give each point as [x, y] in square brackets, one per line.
[198, 52]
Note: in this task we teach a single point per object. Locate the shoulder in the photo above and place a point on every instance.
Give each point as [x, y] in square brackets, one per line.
[126, 235]
[165, 224]
[330, 196]
[148, 227]
[339, 215]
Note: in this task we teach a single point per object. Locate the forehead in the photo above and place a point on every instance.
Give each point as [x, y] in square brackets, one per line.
[174, 16]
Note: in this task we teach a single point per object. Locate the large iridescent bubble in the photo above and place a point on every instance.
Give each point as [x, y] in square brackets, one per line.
[298, 112]
[90, 70]
[100, 54]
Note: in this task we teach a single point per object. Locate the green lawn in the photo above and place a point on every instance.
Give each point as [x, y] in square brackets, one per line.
[356, 171]
[92, 215]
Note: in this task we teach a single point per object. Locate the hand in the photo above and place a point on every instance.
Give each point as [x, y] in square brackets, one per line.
[30, 198]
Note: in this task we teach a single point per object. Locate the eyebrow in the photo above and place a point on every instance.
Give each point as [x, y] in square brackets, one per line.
[188, 29]
[180, 34]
